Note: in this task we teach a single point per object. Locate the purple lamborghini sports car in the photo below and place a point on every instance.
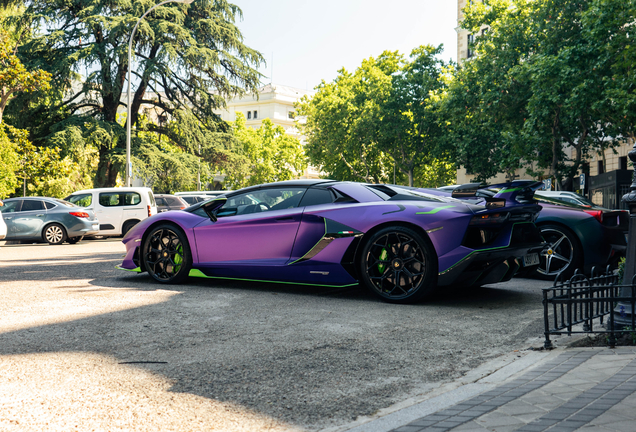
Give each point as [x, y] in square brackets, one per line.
[402, 243]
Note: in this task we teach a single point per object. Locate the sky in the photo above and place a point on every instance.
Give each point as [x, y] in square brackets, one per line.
[305, 41]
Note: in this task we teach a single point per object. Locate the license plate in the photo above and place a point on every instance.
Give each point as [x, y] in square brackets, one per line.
[531, 259]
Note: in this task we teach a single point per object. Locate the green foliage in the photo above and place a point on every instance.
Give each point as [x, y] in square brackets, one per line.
[270, 154]
[543, 79]
[42, 171]
[379, 120]
[14, 76]
[8, 164]
[189, 59]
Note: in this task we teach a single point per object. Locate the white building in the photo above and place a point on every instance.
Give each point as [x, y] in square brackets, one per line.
[275, 102]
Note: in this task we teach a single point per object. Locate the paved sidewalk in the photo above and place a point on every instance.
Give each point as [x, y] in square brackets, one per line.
[588, 389]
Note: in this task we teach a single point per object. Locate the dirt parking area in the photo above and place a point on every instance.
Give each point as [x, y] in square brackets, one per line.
[86, 347]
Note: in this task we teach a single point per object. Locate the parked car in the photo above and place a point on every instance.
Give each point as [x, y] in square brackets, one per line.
[202, 194]
[401, 244]
[167, 202]
[118, 209]
[3, 226]
[47, 219]
[577, 236]
[193, 199]
[568, 197]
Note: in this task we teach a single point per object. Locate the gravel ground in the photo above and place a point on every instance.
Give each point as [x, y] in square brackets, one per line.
[86, 347]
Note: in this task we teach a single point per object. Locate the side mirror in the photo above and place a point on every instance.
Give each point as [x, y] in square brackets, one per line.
[212, 207]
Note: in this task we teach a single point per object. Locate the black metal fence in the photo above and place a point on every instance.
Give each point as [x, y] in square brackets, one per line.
[584, 300]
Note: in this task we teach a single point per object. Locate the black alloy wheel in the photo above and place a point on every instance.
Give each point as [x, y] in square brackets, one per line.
[166, 254]
[54, 234]
[561, 254]
[398, 265]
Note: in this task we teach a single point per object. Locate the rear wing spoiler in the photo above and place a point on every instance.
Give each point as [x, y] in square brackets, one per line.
[501, 194]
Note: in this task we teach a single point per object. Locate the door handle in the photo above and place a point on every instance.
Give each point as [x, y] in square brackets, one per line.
[40, 215]
[285, 219]
[7, 218]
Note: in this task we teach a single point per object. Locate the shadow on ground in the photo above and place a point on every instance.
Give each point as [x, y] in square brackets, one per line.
[312, 356]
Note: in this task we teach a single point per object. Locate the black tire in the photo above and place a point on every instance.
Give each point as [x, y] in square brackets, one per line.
[562, 254]
[398, 265]
[73, 240]
[127, 227]
[166, 254]
[54, 234]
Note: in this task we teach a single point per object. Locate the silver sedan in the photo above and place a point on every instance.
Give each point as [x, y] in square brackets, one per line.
[47, 219]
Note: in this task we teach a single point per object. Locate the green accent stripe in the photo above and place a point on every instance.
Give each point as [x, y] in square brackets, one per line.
[482, 250]
[510, 190]
[136, 270]
[435, 210]
[199, 273]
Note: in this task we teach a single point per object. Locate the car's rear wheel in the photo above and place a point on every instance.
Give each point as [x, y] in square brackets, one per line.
[54, 234]
[562, 253]
[398, 265]
[166, 254]
[73, 240]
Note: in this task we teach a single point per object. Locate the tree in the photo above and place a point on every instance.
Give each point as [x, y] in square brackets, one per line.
[410, 128]
[14, 77]
[271, 154]
[8, 164]
[380, 121]
[190, 58]
[340, 126]
[534, 89]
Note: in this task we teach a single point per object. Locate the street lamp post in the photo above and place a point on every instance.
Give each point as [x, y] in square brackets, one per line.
[623, 313]
[130, 41]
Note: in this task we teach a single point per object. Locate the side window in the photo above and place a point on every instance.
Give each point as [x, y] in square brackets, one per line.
[31, 205]
[109, 199]
[131, 198]
[82, 200]
[49, 205]
[160, 201]
[261, 201]
[315, 196]
[11, 206]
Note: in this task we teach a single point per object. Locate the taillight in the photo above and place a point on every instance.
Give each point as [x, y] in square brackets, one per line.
[598, 214]
[149, 211]
[182, 207]
[79, 214]
[490, 218]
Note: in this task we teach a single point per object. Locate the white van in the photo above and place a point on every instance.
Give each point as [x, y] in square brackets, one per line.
[117, 209]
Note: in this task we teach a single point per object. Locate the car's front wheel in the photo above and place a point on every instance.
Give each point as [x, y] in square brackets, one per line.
[398, 265]
[54, 234]
[166, 254]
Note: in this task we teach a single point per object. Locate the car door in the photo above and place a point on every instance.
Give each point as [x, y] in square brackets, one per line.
[9, 212]
[28, 222]
[108, 210]
[257, 227]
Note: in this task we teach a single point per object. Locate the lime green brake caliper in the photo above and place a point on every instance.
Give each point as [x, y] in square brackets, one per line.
[178, 258]
[383, 256]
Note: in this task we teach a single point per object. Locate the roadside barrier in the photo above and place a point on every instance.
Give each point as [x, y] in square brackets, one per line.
[582, 300]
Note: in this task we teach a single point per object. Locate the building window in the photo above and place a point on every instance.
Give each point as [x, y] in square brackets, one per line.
[601, 168]
[249, 115]
[255, 114]
[290, 114]
[622, 162]
[469, 44]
